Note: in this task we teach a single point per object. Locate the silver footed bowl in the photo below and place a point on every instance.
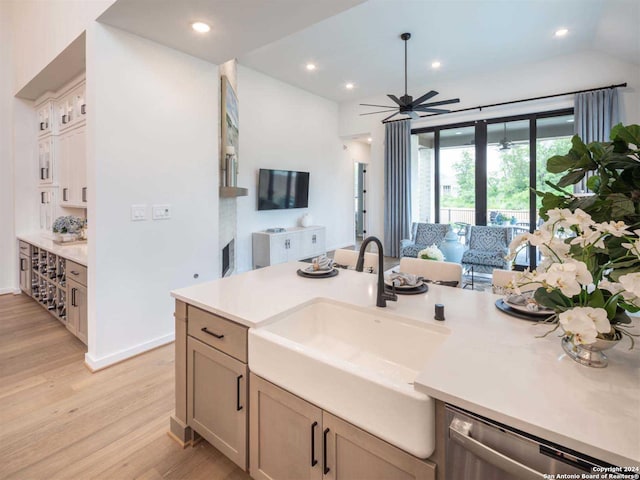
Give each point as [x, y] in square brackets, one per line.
[592, 354]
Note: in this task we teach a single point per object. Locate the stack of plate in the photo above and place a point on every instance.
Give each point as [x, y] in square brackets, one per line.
[310, 272]
[407, 289]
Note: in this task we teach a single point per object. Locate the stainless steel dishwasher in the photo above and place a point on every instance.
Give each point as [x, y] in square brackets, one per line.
[479, 448]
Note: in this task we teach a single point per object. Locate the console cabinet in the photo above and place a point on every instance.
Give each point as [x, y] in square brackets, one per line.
[271, 248]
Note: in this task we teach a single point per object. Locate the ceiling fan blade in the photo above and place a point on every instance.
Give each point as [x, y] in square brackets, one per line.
[431, 110]
[380, 111]
[390, 116]
[396, 99]
[413, 115]
[424, 97]
[381, 106]
[441, 102]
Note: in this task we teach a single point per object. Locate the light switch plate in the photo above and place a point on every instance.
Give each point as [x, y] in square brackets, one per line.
[161, 212]
[138, 212]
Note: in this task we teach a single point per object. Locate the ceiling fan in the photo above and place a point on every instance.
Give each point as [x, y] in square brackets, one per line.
[406, 104]
[504, 144]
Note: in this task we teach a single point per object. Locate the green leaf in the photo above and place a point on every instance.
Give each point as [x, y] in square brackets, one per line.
[560, 163]
[629, 133]
[553, 299]
[571, 178]
[621, 317]
[596, 299]
[593, 183]
[578, 146]
[621, 205]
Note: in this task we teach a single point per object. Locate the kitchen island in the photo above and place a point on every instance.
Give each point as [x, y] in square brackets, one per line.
[490, 364]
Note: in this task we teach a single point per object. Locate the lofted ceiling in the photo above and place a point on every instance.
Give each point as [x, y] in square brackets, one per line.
[237, 26]
[358, 41]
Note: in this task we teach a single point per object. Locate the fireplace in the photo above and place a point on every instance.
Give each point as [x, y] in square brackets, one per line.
[228, 256]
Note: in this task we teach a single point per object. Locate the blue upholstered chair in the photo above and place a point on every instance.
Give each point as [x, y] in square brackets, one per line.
[488, 247]
[423, 235]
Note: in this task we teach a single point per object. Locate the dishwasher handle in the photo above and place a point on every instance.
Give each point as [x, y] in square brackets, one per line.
[460, 432]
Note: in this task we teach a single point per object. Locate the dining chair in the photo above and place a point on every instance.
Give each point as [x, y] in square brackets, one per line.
[343, 258]
[432, 270]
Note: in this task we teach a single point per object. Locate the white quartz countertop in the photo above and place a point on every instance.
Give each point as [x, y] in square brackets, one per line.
[491, 364]
[76, 253]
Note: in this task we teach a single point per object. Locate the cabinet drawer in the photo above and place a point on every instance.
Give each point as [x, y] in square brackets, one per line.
[77, 272]
[24, 248]
[217, 332]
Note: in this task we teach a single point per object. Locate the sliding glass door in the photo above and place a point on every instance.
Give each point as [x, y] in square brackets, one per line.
[485, 172]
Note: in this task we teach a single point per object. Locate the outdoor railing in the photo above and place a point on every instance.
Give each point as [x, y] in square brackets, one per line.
[468, 215]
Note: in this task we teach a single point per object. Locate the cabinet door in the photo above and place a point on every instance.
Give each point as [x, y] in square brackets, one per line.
[294, 246]
[64, 167]
[217, 399]
[286, 434]
[77, 309]
[45, 160]
[352, 454]
[47, 206]
[72, 167]
[25, 273]
[278, 249]
[79, 164]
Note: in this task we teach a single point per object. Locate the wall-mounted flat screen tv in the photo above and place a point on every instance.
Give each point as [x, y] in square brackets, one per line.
[281, 189]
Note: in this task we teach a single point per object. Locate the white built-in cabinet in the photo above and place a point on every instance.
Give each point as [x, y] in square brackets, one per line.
[46, 154]
[47, 207]
[61, 162]
[298, 243]
[73, 167]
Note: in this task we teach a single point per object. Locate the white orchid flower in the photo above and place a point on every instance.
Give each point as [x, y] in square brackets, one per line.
[617, 229]
[584, 323]
[631, 283]
[579, 218]
[569, 277]
[589, 237]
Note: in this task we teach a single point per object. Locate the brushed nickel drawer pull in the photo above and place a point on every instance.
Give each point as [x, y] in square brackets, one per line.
[73, 272]
[205, 330]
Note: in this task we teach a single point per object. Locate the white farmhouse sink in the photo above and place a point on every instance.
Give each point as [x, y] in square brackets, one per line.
[357, 363]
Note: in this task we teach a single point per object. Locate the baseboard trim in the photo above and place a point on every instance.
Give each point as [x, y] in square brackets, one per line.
[4, 291]
[95, 364]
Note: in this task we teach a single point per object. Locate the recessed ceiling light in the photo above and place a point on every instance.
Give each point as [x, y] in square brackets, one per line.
[200, 27]
[311, 66]
[349, 86]
[436, 64]
[561, 32]
[570, 120]
[458, 133]
[369, 139]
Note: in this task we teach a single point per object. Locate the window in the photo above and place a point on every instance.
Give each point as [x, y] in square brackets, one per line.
[484, 173]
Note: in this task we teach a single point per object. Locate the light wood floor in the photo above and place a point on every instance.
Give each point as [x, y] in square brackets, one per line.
[59, 421]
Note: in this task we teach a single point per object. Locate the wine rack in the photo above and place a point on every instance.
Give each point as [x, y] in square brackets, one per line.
[49, 282]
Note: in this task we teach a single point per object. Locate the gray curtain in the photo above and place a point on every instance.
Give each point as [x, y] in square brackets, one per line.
[397, 185]
[595, 113]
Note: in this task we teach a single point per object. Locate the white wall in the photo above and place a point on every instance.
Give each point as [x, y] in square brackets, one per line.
[7, 239]
[42, 29]
[151, 140]
[560, 74]
[283, 127]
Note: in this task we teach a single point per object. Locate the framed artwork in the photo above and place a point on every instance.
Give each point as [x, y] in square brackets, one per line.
[229, 121]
